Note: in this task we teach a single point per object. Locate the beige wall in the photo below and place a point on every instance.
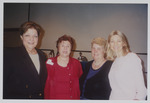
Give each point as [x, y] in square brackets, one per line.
[87, 21]
[83, 22]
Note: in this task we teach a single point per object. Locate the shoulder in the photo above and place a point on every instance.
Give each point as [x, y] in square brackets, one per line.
[109, 62]
[132, 55]
[12, 50]
[89, 62]
[10, 54]
[132, 58]
[53, 59]
[40, 52]
[74, 60]
[51, 62]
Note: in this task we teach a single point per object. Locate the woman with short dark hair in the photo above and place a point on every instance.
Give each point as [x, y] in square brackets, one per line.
[24, 67]
[63, 72]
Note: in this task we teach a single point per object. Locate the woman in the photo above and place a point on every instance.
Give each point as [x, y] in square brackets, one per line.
[126, 76]
[94, 82]
[24, 67]
[63, 72]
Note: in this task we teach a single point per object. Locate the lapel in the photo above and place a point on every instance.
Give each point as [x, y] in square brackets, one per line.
[28, 63]
[42, 61]
[87, 68]
[43, 70]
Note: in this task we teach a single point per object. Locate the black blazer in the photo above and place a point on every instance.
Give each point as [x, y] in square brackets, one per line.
[96, 87]
[20, 77]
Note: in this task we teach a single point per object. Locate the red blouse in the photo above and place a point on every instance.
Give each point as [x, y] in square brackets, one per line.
[62, 82]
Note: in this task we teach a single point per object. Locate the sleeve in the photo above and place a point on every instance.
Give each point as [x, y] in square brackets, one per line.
[80, 69]
[7, 71]
[43, 54]
[141, 90]
[47, 89]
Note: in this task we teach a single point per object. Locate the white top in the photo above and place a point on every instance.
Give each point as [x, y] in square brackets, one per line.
[126, 78]
[36, 62]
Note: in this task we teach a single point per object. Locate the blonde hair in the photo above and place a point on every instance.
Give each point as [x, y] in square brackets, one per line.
[101, 42]
[125, 50]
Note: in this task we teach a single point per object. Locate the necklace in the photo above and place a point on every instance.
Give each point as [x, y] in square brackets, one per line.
[98, 65]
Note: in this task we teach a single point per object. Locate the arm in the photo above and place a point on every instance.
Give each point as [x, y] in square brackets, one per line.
[47, 89]
[80, 69]
[139, 80]
[7, 71]
[47, 84]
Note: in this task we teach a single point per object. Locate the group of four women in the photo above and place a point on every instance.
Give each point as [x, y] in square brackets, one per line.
[115, 73]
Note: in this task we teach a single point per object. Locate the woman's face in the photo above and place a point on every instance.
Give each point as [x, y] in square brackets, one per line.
[116, 44]
[30, 39]
[97, 51]
[64, 48]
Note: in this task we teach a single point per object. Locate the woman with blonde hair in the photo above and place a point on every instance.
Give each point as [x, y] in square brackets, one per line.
[94, 83]
[126, 75]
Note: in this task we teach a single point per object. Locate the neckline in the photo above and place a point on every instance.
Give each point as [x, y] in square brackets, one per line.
[99, 67]
[33, 54]
[60, 65]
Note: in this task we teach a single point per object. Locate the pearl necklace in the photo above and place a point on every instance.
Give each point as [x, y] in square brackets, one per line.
[98, 65]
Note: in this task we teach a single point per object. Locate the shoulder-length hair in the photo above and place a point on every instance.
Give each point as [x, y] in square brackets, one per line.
[125, 50]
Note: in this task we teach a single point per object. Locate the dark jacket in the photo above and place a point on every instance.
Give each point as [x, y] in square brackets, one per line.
[20, 77]
[96, 87]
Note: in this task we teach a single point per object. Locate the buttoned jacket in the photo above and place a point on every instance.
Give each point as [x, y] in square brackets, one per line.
[20, 77]
[96, 87]
[63, 82]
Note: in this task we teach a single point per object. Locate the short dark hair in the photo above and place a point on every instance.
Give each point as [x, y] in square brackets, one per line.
[65, 38]
[28, 25]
